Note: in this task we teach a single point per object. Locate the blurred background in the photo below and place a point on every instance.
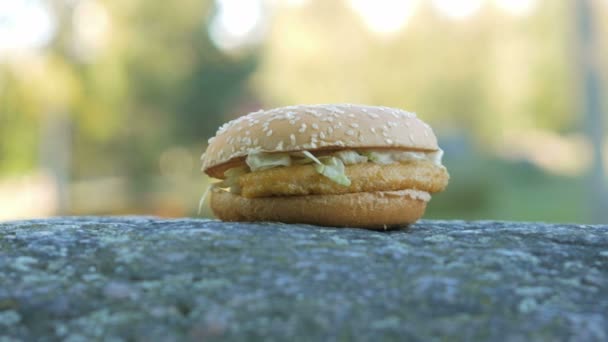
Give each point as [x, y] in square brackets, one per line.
[107, 105]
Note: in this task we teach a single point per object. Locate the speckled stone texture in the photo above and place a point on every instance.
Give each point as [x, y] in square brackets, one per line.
[146, 279]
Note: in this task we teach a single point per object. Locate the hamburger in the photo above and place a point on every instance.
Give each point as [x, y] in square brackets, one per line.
[330, 165]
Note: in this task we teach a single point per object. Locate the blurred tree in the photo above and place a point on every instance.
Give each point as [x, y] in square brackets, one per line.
[133, 78]
[487, 75]
[592, 107]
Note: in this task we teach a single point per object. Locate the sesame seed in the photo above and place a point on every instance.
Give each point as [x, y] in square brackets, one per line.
[315, 126]
[302, 128]
[293, 122]
[280, 145]
[354, 125]
[269, 133]
[350, 132]
[293, 139]
[384, 134]
[330, 130]
[373, 130]
[411, 137]
[351, 115]
[388, 141]
[322, 135]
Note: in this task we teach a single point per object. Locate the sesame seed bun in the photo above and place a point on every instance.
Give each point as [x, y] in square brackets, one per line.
[373, 210]
[314, 128]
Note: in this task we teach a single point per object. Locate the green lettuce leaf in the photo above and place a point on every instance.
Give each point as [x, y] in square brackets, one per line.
[350, 157]
[379, 157]
[301, 158]
[262, 161]
[330, 167]
[311, 157]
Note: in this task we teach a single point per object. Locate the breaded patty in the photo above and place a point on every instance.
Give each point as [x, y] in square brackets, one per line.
[305, 180]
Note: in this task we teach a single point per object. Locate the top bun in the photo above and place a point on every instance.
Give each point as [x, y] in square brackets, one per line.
[313, 128]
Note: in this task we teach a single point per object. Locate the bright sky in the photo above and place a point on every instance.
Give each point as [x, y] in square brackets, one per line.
[517, 7]
[24, 25]
[389, 16]
[457, 9]
[237, 23]
[385, 16]
[29, 25]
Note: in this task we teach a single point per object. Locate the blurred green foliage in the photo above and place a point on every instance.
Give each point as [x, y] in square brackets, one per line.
[159, 83]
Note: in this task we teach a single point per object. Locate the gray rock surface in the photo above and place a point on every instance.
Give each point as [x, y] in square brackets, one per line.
[146, 279]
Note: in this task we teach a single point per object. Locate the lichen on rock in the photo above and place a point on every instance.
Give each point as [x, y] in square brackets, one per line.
[140, 278]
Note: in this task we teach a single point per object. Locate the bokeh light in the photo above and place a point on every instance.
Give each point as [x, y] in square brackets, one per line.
[295, 3]
[385, 16]
[91, 27]
[25, 25]
[458, 9]
[237, 23]
[517, 7]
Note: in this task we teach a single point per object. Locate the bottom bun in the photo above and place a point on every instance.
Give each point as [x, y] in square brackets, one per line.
[375, 210]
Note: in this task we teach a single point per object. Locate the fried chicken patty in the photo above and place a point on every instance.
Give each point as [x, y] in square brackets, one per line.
[301, 180]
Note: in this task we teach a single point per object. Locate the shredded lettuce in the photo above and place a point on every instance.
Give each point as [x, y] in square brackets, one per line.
[408, 155]
[330, 167]
[333, 168]
[436, 157]
[390, 157]
[298, 160]
[232, 179]
[262, 161]
[203, 199]
[311, 157]
[379, 157]
[350, 157]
